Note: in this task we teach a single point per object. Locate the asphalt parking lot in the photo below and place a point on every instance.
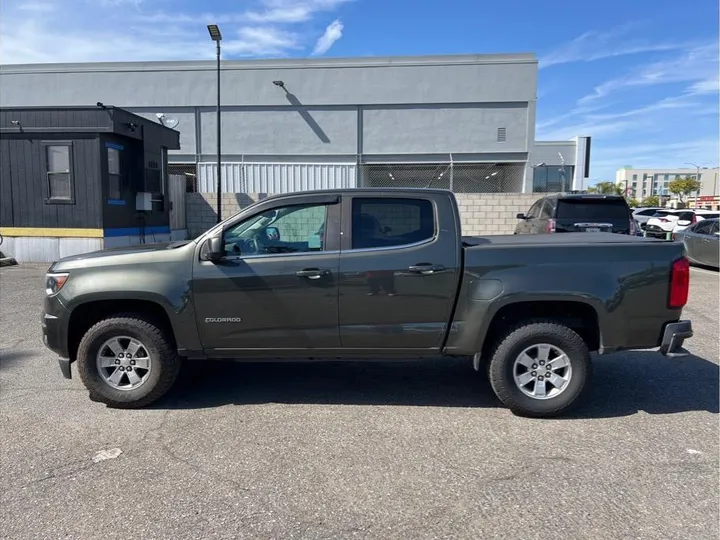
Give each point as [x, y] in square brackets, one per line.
[352, 450]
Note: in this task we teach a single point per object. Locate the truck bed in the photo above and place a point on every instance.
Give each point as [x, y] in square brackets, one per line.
[564, 239]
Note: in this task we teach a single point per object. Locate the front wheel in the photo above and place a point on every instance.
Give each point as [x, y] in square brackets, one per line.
[540, 369]
[127, 361]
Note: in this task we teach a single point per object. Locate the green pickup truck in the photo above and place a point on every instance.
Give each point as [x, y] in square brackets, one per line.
[365, 274]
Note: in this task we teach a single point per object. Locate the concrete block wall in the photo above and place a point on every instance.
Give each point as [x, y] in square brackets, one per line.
[492, 213]
[481, 213]
[200, 208]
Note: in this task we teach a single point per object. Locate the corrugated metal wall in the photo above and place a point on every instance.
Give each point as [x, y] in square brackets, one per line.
[276, 177]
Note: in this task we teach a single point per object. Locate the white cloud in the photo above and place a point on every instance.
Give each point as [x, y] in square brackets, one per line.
[695, 64]
[596, 45]
[262, 41]
[36, 6]
[138, 30]
[708, 86]
[292, 11]
[332, 33]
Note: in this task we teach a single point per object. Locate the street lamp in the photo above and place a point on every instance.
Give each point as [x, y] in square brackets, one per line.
[216, 36]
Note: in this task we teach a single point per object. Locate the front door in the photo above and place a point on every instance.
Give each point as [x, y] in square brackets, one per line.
[276, 289]
[398, 272]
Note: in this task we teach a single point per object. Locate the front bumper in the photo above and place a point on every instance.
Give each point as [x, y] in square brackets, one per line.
[673, 337]
[54, 339]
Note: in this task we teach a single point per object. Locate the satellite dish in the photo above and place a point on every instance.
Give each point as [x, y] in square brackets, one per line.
[169, 121]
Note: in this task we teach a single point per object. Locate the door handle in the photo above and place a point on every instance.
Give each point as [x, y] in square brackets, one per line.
[312, 273]
[426, 268]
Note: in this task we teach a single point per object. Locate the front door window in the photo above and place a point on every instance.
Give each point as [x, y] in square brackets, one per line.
[290, 229]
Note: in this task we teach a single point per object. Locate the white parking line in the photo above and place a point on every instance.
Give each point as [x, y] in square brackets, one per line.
[704, 271]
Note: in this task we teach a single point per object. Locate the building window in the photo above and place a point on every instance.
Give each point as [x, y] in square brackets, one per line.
[634, 178]
[114, 185]
[58, 161]
[549, 178]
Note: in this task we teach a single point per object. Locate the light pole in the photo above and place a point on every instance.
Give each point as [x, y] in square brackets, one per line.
[216, 36]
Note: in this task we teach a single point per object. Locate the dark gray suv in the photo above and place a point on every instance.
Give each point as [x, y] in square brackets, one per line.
[577, 212]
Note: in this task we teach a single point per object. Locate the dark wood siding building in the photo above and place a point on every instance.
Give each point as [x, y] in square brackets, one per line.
[81, 178]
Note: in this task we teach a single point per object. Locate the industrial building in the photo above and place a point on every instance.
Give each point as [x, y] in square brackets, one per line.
[463, 122]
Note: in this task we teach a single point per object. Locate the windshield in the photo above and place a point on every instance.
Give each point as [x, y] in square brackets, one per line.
[587, 209]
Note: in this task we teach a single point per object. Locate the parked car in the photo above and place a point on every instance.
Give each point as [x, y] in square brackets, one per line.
[702, 242]
[577, 212]
[698, 215]
[665, 222]
[389, 277]
[642, 215]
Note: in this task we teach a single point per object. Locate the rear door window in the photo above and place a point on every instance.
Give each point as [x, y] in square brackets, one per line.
[589, 210]
[685, 216]
[704, 227]
[388, 222]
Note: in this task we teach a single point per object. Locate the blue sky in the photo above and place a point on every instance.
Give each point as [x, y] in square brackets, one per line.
[639, 76]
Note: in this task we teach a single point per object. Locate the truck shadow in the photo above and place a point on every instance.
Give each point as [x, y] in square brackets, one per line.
[623, 385]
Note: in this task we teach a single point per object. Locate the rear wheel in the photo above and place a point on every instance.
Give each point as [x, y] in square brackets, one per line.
[127, 361]
[540, 369]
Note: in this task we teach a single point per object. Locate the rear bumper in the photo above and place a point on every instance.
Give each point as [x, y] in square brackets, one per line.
[658, 232]
[674, 336]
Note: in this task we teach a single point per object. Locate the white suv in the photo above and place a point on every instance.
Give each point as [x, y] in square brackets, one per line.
[666, 222]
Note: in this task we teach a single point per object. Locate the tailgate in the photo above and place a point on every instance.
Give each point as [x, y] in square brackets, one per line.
[592, 215]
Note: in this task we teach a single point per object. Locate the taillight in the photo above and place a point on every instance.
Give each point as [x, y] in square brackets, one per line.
[679, 283]
[551, 225]
[694, 219]
[633, 230]
[663, 220]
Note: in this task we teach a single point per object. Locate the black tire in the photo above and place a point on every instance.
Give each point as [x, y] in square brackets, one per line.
[165, 361]
[514, 342]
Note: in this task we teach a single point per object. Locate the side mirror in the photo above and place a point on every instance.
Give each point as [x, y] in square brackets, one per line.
[520, 216]
[213, 249]
[272, 234]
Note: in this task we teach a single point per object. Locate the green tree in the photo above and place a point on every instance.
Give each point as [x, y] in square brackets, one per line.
[606, 188]
[652, 200]
[683, 186]
[633, 203]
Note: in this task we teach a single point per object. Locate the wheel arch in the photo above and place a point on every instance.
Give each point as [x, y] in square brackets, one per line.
[85, 314]
[580, 316]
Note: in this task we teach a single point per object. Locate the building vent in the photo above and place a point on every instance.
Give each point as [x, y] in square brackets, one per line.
[501, 135]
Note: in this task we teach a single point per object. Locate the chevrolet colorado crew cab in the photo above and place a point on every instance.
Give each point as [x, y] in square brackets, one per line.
[361, 274]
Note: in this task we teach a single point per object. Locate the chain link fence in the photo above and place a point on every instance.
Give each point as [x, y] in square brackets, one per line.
[457, 177]
[185, 171]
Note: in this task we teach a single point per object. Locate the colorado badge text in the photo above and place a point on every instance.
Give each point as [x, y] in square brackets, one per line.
[223, 319]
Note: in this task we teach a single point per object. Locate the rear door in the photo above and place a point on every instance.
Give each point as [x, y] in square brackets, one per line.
[399, 270]
[592, 215]
[705, 243]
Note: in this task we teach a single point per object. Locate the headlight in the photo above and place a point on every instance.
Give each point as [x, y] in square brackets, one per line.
[54, 282]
